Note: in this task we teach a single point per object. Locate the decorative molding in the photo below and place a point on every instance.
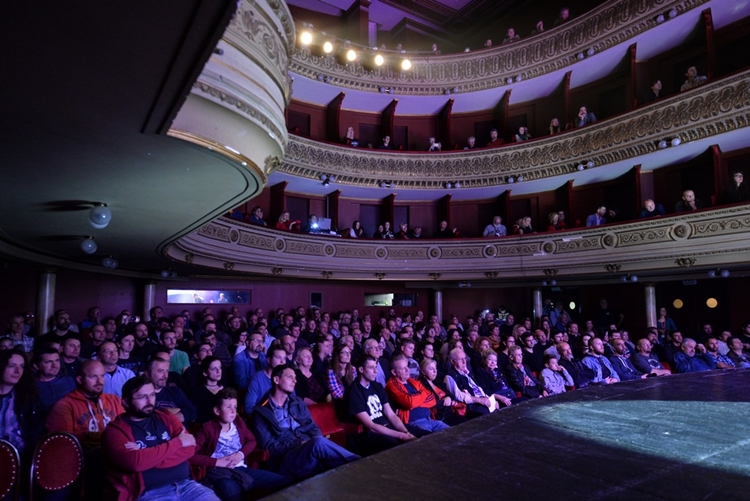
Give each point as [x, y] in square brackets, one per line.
[610, 24]
[714, 238]
[715, 108]
[277, 271]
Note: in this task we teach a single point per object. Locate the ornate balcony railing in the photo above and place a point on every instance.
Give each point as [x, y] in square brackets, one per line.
[612, 23]
[713, 109]
[668, 245]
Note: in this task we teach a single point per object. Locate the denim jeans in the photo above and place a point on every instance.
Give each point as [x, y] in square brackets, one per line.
[430, 425]
[314, 456]
[185, 490]
[229, 490]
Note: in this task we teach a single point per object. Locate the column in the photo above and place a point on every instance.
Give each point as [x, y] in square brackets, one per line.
[537, 305]
[45, 299]
[438, 297]
[149, 300]
[650, 296]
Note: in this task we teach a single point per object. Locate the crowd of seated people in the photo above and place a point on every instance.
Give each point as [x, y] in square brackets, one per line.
[198, 399]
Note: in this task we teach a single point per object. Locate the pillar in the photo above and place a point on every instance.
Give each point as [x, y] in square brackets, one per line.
[149, 300]
[650, 296]
[438, 297]
[45, 299]
[537, 305]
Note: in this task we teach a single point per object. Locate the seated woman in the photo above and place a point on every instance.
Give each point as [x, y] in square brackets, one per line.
[446, 409]
[554, 126]
[349, 139]
[23, 423]
[239, 338]
[554, 222]
[481, 345]
[523, 226]
[522, 135]
[221, 446]
[378, 235]
[493, 382]
[356, 231]
[203, 395]
[308, 387]
[520, 377]
[554, 376]
[285, 223]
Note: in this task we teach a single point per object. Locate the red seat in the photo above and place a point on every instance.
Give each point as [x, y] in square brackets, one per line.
[666, 366]
[56, 464]
[570, 388]
[10, 469]
[324, 416]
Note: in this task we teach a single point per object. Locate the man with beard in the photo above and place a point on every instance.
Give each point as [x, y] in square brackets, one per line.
[597, 362]
[61, 331]
[147, 451]
[144, 346]
[580, 373]
[249, 361]
[169, 398]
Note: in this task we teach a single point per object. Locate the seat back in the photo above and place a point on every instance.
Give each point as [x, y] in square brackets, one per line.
[10, 469]
[324, 416]
[57, 462]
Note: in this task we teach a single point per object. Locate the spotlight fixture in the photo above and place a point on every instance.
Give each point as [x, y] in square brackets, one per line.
[383, 90]
[457, 184]
[323, 177]
[519, 78]
[320, 77]
[590, 52]
[447, 92]
[662, 144]
[351, 55]
[549, 282]
[718, 272]
[306, 38]
[590, 164]
[629, 278]
[509, 81]
[379, 60]
[660, 18]
[328, 79]
[88, 245]
[448, 185]
[511, 179]
[332, 179]
[164, 273]
[672, 13]
[100, 216]
[405, 64]
[109, 262]
[328, 47]
[580, 167]
[456, 90]
[676, 141]
[580, 56]
[467, 49]
[383, 184]
[326, 183]
[218, 51]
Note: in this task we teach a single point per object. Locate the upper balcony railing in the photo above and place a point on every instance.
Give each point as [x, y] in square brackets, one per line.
[713, 109]
[611, 24]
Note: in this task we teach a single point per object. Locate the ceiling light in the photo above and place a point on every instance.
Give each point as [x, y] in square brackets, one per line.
[351, 55]
[590, 52]
[100, 216]
[326, 183]
[672, 13]
[323, 177]
[519, 78]
[164, 273]
[676, 141]
[328, 47]
[306, 38]
[405, 65]
[580, 56]
[456, 90]
[448, 185]
[520, 178]
[580, 167]
[511, 179]
[724, 273]
[662, 144]
[383, 184]
[509, 81]
[379, 60]
[332, 179]
[320, 77]
[660, 18]
[447, 92]
[109, 262]
[88, 245]
[457, 184]
[590, 164]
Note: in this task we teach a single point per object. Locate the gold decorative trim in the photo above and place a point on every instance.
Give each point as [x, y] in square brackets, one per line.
[685, 262]
[610, 24]
[712, 109]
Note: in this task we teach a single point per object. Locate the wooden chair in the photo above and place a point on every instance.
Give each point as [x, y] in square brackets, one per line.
[10, 470]
[57, 463]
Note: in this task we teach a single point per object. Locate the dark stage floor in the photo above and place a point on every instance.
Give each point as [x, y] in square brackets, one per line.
[681, 437]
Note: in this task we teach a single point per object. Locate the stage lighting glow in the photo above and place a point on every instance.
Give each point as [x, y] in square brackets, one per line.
[306, 38]
[328, 47]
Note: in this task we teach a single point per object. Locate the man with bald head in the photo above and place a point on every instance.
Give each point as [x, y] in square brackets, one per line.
[688, 202]
[651, 209]
[86, 411]
[582, 375]
[645, 361]
[596, 361]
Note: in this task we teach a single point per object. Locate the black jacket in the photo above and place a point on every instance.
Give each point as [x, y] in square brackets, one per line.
[280, 440]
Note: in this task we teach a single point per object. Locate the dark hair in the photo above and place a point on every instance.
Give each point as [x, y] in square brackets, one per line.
[43, 351]
[154, 360]
[363, 360]
[134, 384]
[205, 364]
[224, 394]
[547, 358]
[273, 349]
[279, 369]
[396, 358]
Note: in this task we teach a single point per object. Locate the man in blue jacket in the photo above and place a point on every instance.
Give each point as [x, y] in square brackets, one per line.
[688, 361]
[249, 361]
[282, 424]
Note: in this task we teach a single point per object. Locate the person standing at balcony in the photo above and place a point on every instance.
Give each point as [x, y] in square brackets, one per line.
[496, 229]
[386, 144]
[584, 117]
[511, 36]
[653, 93]
[445, 232]
[597, 218]
[688, 202]
[693, 79]
[651, 209]
[736, 192]
[349, 139]
[256, 216]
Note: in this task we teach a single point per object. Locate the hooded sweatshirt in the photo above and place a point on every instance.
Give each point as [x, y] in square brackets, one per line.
[85, 418]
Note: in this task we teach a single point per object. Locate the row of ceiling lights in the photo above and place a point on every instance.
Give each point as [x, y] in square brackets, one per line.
[99, 218]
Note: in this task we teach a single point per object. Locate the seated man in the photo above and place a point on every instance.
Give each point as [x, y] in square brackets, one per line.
[413, 403]
[261, 381]
[582, 375]
[169, 398]
[249, 361]
[647, 362]
[693, 79]
[688, 202]
[688, 361]
[51, 384]
[445, 232]
[496, 229]
[283, 425]
[114, 375]
[651, 209]
[521, 378]
[471, 143]
[86, 411]
[494, 140]
[555, 376]
[672, 347]
[256, 216]
[652, 94]
[146, 451]
[712, 351]
[598, 217]
[622, 364]
[584, 117]
[368, 404]
[462, 388]
[596, 361]
[736, 355]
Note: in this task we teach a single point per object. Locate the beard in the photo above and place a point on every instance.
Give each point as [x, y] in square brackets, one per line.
[142, 413]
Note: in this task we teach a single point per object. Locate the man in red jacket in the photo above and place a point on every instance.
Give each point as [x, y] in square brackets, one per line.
[146, 451]
[410, 398]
